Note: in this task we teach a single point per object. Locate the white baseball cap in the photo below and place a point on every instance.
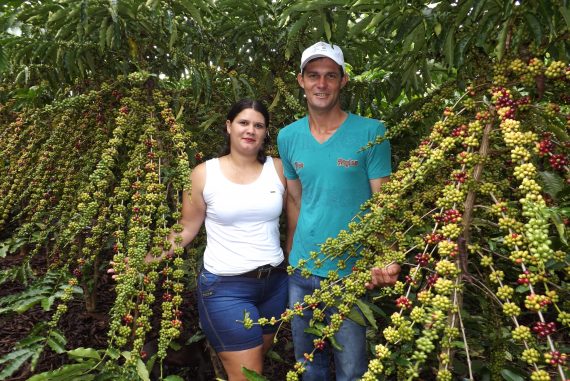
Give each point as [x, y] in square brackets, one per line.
[323, 49]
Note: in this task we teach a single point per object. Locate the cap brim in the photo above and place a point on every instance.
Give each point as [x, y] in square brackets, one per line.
[312, 57]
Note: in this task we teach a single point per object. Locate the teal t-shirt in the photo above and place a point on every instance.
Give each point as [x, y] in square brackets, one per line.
[334, 178]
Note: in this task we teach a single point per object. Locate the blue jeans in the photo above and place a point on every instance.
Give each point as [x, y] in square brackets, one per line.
[350, 363]
[224, 300]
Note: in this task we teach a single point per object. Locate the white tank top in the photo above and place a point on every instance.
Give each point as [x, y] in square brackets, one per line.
[242, 221]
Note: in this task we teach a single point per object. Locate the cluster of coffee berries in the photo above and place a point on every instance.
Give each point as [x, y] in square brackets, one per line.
[543, 329]
[555, 358]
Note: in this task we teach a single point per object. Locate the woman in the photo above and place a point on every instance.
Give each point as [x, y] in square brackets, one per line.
[240, 197]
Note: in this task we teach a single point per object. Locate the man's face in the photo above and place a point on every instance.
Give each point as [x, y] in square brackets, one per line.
[322, 82]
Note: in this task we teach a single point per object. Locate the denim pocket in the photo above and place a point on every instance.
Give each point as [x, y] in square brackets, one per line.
[207, 282]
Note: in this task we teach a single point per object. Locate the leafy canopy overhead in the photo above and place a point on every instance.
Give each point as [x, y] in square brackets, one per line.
[413, 43]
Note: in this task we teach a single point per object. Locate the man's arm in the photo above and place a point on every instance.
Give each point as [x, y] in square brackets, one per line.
[389, 275]
[375, 184]
[292, 208]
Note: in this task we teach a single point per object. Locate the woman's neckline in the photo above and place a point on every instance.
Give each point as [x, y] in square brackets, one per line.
[230, 163]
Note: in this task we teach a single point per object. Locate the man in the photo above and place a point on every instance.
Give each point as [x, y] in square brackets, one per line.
[327, 181]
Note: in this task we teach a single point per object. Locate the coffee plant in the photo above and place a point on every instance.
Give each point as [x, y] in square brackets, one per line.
[480, 207]
[106, 106]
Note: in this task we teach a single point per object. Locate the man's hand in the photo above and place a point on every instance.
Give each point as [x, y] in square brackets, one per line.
[386, 276]
[150, 258]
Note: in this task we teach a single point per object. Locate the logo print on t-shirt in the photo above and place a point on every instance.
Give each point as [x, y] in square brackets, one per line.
[299, 165]
[346, 163]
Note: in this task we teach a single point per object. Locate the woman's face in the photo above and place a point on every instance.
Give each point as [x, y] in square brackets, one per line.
[247, 131]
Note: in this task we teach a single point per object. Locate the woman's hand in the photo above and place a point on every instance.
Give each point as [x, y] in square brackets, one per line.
[111, 270]
[148, 259]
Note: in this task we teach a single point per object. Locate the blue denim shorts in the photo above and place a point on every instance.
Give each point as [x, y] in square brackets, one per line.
[224, 300]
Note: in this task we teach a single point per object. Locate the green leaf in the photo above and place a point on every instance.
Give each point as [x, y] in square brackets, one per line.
[500, 48]
[14, 355]
[560, 227]
[478, 8]
[246, 84]
[206, 124]
[235, 88]
[81, 352]
[552, 183]
[509, 375]
[109, 35]
[142, 371]
[58, 15]
[341, 25]
[57, 335]
[275, 101]
[15, 361]
[402, 361]
[199, 335]
[207, 88]
[252, 375]
[55, 346]
[47, 303]
[103, 34]
[275, 356]
[7, 275]
[173, 35]
[195, 12]
[4, 250]
[113, 10]
[465, 8]
[24, 305]
[534, 25]
[335, 343]
[326, 26]
[68, 372]
[113, 353]
[180, 112]
[565, 14]
[150, 362]
[415, 40]
[196, 83]
[395, 87]
[314, 330]
[449, 47]
[460, 53]
[367, 312]
[151, 4]
[377, 310]
[173, 377]
[297, 25]
[4, 61]
[313, 5]
[38, 350]
[360, 26]
[356, 317]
